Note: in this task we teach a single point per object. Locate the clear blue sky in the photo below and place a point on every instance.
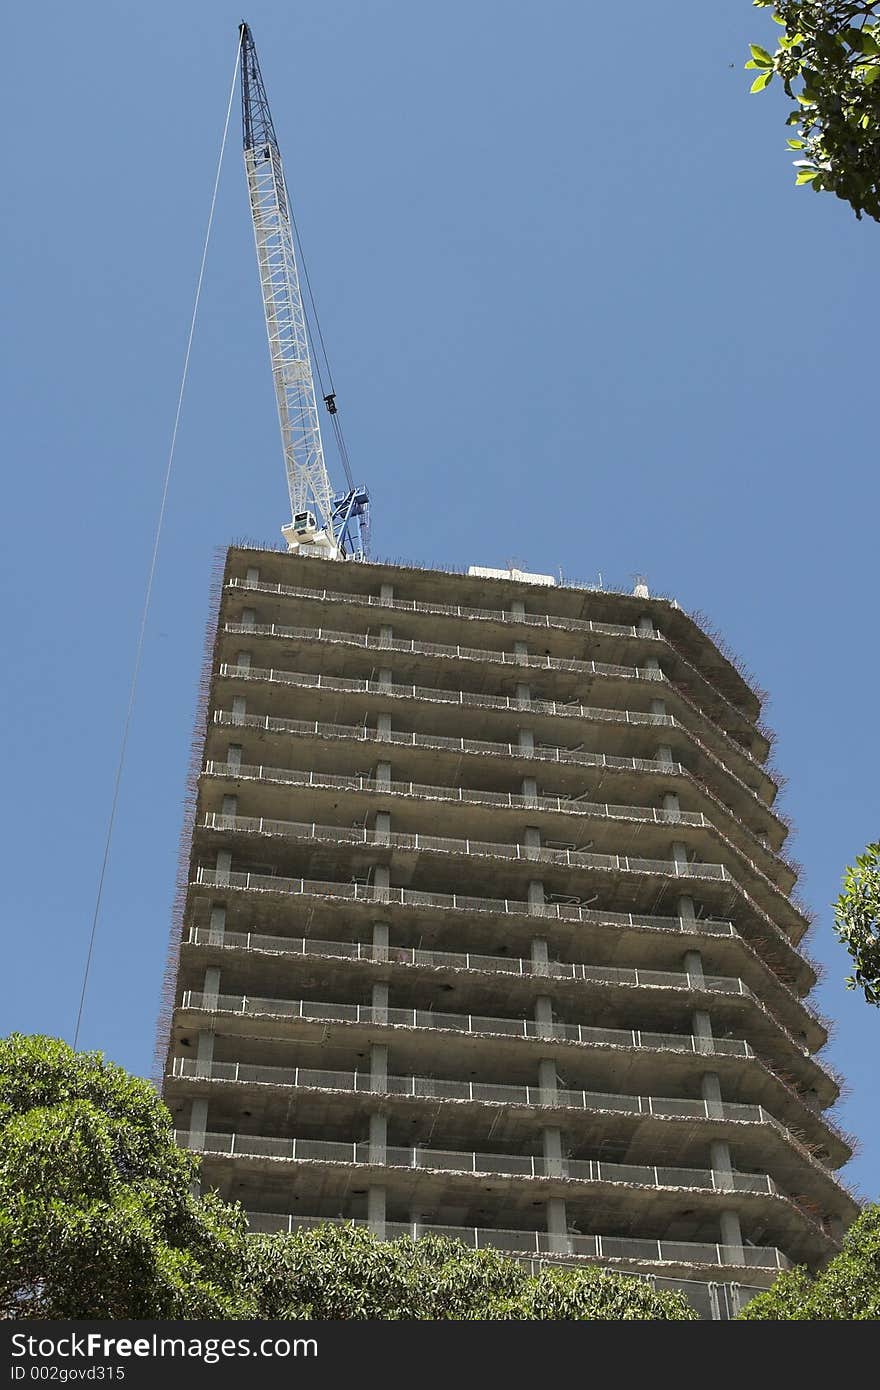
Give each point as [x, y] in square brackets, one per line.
[579, 317]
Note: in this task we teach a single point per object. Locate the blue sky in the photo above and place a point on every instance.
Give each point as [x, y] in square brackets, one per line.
[579, 318]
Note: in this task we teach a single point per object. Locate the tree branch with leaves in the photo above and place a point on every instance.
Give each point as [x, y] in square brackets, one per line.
[828, 60]
[857, 921]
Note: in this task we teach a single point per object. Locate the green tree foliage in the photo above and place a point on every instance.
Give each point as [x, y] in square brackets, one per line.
[857, 921]
[847, 1290]
[98, 1220]
[335, 1272]
[828, 59]
[97, 1216]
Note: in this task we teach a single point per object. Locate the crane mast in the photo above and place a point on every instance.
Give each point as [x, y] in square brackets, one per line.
[323, 522]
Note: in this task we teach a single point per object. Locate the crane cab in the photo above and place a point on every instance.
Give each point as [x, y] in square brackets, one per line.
[304, 534]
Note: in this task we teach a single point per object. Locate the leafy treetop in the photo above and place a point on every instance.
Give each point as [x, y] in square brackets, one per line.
[334, 1272]
[99, 1219]
[847, 1289]
[857, 921]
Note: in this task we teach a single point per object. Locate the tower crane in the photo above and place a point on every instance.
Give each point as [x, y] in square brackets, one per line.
[330, 524]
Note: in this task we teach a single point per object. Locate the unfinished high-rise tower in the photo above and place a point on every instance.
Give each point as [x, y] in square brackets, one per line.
[485, 926]
[487, 930]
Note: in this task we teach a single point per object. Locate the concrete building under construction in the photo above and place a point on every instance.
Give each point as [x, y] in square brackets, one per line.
[487, 929]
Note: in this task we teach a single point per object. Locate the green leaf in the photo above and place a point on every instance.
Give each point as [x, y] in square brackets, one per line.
[871, 75]
[795, 144]
[761, 81]
[806, 175]
[861, 42]
[760, 55]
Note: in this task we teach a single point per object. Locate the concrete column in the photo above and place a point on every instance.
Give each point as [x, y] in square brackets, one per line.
[517, 608]
[646, 626]
[526, 741]
[224, 866]
[731, 1238]
[521, 652]
[722, 1164]
[530, 788]
[710, 1090]
[229, 807]
[671, 806]
[701, 1025]
[664, 755]
[381, 883]
[217, 925]
[211, 988]
[376, 1211]
[383, 774]
[551, 1138]
[540, 957]
[243, 660]
[381, 932]
[557, 1226]
[386, 677]
[540, 954]
[687, 912]
[386, 593]
[248, 618]
[383, 828]
[239, 706]
[523, 696]
[680, 856]
[198, 1124]
[386, 635]
[205, 1049]
[380, 1003]
[233, 756]
[252, 576]
[531, 840]
[383, 725]
[651, 664]
[548, 1082]
[693, 964]
[658, 707]
[205, 1040]
[378, 1138]
[544, 1015]
[378, 1067]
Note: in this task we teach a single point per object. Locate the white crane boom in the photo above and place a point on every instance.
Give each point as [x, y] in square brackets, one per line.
[321, 523]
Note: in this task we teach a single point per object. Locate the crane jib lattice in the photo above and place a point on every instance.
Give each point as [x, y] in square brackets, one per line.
[323, 521]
